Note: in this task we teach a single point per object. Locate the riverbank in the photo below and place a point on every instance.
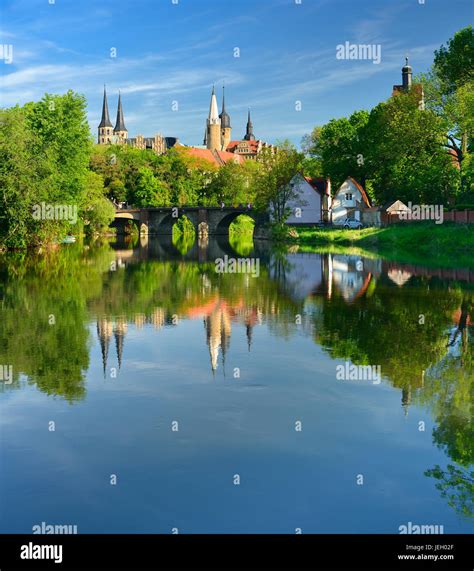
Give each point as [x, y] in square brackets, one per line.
[443, 244]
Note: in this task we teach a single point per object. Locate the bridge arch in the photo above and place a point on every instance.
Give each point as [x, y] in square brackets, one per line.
[223, 224]
[165, 221]
[127, 215]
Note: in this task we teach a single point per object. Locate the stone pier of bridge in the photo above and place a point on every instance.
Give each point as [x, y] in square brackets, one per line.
[160, 221]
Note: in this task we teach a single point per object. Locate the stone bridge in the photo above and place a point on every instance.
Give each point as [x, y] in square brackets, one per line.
[160, 221]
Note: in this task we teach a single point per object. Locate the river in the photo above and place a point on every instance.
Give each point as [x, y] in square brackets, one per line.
[142, 391]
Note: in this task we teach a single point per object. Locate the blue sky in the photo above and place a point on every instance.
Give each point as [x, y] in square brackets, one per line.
[168, 52]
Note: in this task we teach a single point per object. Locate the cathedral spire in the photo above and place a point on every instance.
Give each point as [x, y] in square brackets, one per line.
[213, 109]
[105, 121]
[224, 116]
[249, 136]
[213, 139]
[120, 124]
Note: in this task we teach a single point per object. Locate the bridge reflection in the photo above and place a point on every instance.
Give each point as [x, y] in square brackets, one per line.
[165, 249]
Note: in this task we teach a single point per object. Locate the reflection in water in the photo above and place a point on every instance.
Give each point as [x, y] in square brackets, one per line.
[415, 322]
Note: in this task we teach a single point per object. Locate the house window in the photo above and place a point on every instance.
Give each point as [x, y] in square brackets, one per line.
[348, 196]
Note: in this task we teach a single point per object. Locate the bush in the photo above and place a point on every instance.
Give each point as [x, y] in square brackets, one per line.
[464, 206]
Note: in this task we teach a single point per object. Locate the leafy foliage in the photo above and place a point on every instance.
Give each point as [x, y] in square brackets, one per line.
[273, 181]
[44, 158]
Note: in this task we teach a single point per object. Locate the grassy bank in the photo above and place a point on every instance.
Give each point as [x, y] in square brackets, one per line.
[425, 243]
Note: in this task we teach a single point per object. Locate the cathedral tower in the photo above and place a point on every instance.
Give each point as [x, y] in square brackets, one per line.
[120, 131]
[406, 75]
[249, 136]
[226, 129]
[105, 126]
[213, 131]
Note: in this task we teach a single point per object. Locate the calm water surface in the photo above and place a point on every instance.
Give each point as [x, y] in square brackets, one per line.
[145, 365]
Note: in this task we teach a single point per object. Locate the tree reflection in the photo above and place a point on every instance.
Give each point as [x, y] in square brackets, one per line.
[418, 330]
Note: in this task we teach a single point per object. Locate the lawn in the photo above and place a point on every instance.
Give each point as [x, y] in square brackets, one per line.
[446, 244]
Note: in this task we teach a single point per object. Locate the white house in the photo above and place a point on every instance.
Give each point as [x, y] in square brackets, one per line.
[313, 200]
[349, 202]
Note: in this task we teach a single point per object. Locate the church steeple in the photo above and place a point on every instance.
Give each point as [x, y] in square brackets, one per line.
[120, 130]
[105, 126]
[406, 75]
[105, 121]
[226, 129]
[249, 136]
[213, 109]
[213, 127]
[224, 116]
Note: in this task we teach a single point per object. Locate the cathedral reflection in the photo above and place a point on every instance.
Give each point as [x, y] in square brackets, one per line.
[217, 316]
[341, 301]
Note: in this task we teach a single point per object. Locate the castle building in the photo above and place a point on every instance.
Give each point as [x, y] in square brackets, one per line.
[218, 134]
[118, 135]
[249, 147]
[218, 145]
[408, 85]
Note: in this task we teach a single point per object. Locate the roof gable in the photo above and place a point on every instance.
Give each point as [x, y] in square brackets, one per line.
[359, 187]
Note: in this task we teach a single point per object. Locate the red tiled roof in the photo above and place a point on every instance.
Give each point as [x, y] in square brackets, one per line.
[226, 156]
[319, 184]
[219, 158]
[252, 145]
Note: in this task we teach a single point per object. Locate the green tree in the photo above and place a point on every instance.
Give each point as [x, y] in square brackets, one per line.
[312, 162]
[24, 179]
[96, 211]
[45, 150]
[404, 153]
[117, 190]
[233, 184]
[454, 63]
[147, 189]
[449, 92]
[61, 128]
[340, 149]
[275, 192]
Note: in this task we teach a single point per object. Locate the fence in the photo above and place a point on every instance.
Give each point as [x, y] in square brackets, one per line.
[458, 216]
